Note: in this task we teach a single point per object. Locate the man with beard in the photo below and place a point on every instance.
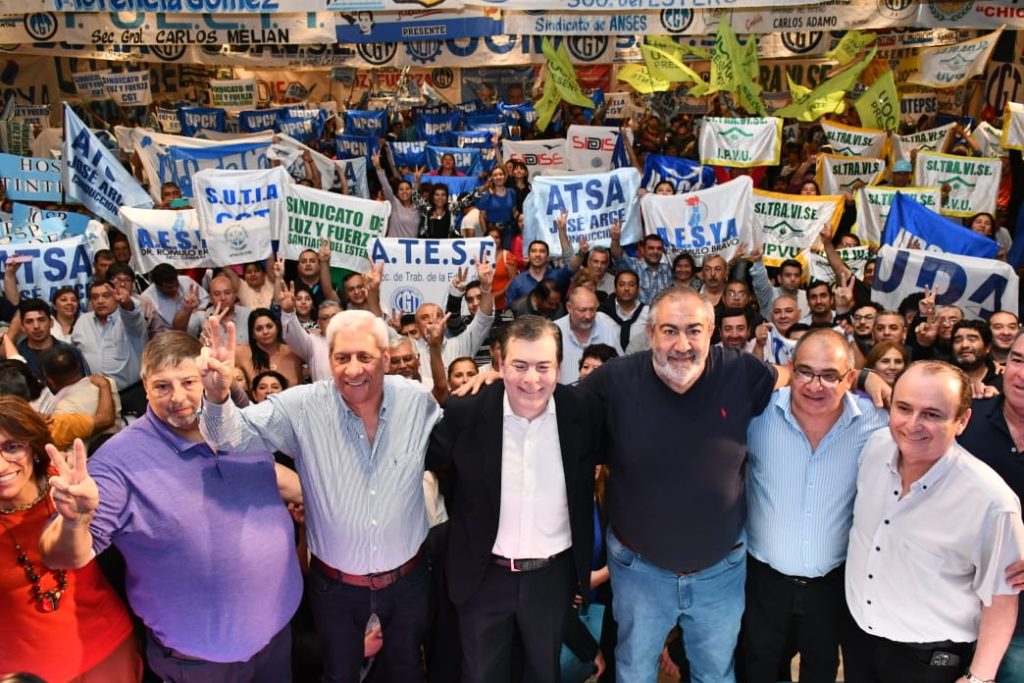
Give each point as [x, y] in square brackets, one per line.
[1004, 327]
[583, 326]
[734, 328]
[819, 300]
[972, 341]
[654, 272]
[185, 517]
[862, 320]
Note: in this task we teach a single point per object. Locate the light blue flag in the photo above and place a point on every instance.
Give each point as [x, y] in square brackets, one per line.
[593, 202]
[71, 223]
[467, 160]
[186, 161]
[684, 174]
[913, 226]
[93, 175]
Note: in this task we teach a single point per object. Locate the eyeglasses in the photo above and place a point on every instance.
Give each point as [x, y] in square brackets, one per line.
[14, 451]
[829, 378]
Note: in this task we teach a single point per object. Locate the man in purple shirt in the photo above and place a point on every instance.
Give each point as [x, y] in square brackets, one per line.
[208, 543]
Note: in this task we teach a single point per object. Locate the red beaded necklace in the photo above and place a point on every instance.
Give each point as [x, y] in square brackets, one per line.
[48, 600]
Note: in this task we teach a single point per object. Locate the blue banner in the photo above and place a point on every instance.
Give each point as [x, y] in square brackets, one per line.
[186, 161]
[477, 139]
[431, 126]
[366, 122]
[31, 179]
[409, 154]
[304, 128]
[71, 223]
[912, 226]
[456, 184]
[475, 120]
[355, 146]
[194, 119]
[466, 160]
[366, 27]
[473, 106]
[684, 174]
[94, 176]
[256, 120]
[423, 110]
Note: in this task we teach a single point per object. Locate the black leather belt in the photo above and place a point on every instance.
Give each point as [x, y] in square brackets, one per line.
[800, 580]
[525, 564]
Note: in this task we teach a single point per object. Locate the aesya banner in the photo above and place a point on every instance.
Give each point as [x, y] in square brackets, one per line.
[233, 95]
[873, 204]
[912, 226]
[538, 155]
[349, 224]
[92, 175]
[31, 179]
[931, 140]
[715, 221]
[590, 148]
[973, 182]
[1013, 127]
[164, 236]
[952, 65]
[593, 203]
[837, 174]
[741, 143]
[684, 174]
[854, 142]
[788, 224]
[90, 85]
[418, 271]
[64, 263]
[129, 88]
[979, 286]
[226, 196]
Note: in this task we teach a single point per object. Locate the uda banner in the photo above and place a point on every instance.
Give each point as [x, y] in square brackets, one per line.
[593, 202]
[93, 176]
[1013, 127]
[684, 174]
[873, 205]
[912, 226]
[979, 286]
[931, 140]
[165, 236]
[715, 221]
[837, 174]
[788, 224]
[973, 181]
[64, 263]
[741, 143]
[233, 95]
[129, 88]
[350, 224]
[538, 155]
[419, 271]
[854, 142]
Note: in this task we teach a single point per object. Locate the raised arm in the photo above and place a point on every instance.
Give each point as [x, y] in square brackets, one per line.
[326, 284]
[372, 279]
[434, 337]
[66, 542]
[11, 292]
[189, 303]
[105, 410]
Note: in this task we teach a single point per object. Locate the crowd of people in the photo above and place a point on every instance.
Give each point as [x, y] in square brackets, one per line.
[258, 472]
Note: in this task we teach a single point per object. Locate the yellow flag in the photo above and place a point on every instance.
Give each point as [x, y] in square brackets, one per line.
[879, 106]
[837, 84]
[563, 74]
[668, 67]
[748, 91]
[672, 47]
[726, 59]
[641, 79]
[850, 46]
[547, 104]
[829, 104]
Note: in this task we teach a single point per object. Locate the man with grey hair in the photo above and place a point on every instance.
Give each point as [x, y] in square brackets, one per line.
[359, 441]
[582, 326]
[185, 517]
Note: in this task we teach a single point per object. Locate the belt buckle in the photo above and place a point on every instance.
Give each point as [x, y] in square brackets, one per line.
[512, 566]
[380, 581]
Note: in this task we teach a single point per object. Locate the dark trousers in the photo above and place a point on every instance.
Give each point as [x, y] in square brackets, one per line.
[133, 400]
[780, 611]
[869, 659]
[441, 645]
[272, 664]
[531, 606]
[340, 612]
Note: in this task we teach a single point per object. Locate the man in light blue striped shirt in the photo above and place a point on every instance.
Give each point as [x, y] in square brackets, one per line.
[803, 457]
[359, 444]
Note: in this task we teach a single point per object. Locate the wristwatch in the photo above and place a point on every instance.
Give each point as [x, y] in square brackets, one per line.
[971, 678]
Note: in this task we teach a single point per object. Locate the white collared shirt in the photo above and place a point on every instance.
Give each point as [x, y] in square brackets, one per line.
[604, 331]
[533, 519]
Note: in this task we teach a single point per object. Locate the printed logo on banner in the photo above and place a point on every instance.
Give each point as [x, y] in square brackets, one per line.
[442, 77]
[170, 53]
[801, 43]
[896, 9]
[676, 20]
[587, 48]
[949, 11]
[406, 298]
[237, 236]
[377, 53]
[424, 51]
[41, 26]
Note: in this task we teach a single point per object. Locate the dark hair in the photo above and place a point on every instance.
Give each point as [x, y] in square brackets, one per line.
[16, 379]
[259, 264]
[545, 288]
[460, 359]
[796, 327]
[991, 218]
[34, 306]
[473, 284]
[818, 283]
[407, 319]
[260, 358]
[163, 274]
[910, 303]
[61, 291]
[684, 256]
[791, 263]
[22, 423]
[349, 276]
[281, 379]
[540, 242]
[120, 269]
[734, 313]
[102, 253]
[60, 365]
[98, 282]
[602, 352]
[531, 328]
[980, 326]
[627, 271]
[653, 237]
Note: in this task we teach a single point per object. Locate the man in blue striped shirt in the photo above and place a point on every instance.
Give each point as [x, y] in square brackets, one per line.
[803, 456]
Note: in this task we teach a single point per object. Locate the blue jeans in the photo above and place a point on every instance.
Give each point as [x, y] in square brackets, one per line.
[1012, 668]
[648, 601]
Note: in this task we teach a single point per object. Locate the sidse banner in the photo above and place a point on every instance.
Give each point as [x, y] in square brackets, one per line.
[590, 148]
[538, 155]
[715, 221]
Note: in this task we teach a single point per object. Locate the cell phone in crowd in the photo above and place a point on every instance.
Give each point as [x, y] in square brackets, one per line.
[179, 203]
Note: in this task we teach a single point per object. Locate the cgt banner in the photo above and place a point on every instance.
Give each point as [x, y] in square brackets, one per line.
[837, 174]
[715, 221]
[350, 224]
[593, 202]
[741, 143]
[931, 140]
[418, 271]
[233, 95]
[973, 182]
[164, 236]
[873, 204]
[223, 196]
[979, 286]
[128, 89]
[64, 263]
[854, 142]
[786, 225]
[538, 155]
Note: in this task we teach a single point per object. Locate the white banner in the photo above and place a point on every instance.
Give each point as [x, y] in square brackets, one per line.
[129, 88]
[979, 286]
[837, 173]
[350, 224]
[90, 84]
[741, 143]
[234, 95]
[852, 141]
[1013, 127]
[973, 181]
[221, 196]
[715, 221]
[855, 259]
[931, 140]
[419, 271]
[354, 172]
[164, 236]
[168, 121]
[593, 202]
[618, 105]
[35, 114]
[64, 263]
[590, 148]
[951, 65]
[989, 138]
[788, 224]
[873, 208]
[539, 155]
